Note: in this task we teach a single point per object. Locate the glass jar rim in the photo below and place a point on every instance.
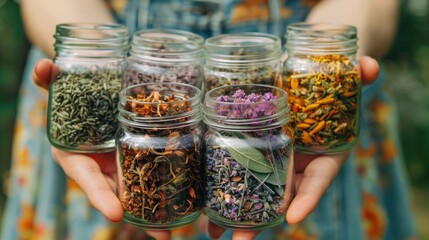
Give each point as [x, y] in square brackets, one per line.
[197, 96]
[321, 38]
[279, 118]
[263, 46]
[194, 100]
[208, 99]
[83, 37]
[179, 45]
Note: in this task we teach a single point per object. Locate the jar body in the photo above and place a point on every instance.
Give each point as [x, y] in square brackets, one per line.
[159, 147]
[248, 58]
[83, 99]
[161, 172]
[165, 56]
[249, 167]
[324, 87]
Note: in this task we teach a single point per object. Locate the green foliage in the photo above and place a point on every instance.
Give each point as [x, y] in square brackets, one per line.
[407, 70]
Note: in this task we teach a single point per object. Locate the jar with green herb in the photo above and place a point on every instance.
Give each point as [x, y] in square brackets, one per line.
[248, 156]
[159, 147]
[83, 99]
[321, 76]
[165, 55]
[242, 58]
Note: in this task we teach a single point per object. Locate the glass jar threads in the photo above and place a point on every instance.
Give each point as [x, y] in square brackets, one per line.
[83, 99]
[248, 150]
[159, 146]
[164, 55]
[321, 76]
[242, 59]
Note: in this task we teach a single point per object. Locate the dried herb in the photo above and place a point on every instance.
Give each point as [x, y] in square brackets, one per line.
[151, 70]
[246, 171]
[161, 166]
[236, 193]
[217, 76]
[324, 101]
[83, 107]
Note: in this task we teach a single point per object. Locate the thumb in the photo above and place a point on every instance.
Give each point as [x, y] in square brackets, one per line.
[44, 72]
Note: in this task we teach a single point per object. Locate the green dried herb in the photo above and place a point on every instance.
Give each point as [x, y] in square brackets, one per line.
[83, 107]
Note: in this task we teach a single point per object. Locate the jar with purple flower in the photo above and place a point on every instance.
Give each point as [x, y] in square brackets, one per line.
[248, 156]
[166, 56]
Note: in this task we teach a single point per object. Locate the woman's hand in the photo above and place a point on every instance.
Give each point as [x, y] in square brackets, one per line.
[96, 173]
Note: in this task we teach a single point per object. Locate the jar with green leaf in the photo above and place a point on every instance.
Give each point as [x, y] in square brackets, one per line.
[248, 156]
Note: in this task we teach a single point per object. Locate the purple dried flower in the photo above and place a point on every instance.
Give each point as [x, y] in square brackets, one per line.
[263, 105]
[239, 94]
[258, 205]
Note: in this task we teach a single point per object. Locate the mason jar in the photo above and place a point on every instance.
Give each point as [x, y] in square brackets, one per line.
[242, 58]
[248, 154]
[159, 147]
[83, 99]
[165, 55]
[321, 76]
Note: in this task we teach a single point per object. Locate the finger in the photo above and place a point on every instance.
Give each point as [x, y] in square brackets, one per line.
[369, 69]
[86, 172]
[316, 178]
[44, 73]
[159, 235]
[244, 234]
[214, 230]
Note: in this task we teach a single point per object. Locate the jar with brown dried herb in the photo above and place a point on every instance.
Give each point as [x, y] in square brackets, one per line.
[159, 146]
[165, 55]
[84, 97]
[321, 76]
[242, 58]
[248, 156]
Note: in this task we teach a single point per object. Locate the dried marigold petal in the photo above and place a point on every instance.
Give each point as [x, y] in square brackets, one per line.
[303, 125]
[318, 128]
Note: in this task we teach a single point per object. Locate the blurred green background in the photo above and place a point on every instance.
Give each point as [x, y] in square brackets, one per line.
[13, 52]
[407, 68]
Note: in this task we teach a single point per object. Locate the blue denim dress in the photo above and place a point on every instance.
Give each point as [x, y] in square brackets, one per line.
[367, 200]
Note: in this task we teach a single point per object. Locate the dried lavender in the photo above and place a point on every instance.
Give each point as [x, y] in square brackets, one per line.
[246, 170]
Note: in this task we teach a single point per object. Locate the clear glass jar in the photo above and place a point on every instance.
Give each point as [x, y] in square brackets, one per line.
[165, 55]
[248, 150]
[159, 147]
[242, 58]
[321, 76]
[84, 97]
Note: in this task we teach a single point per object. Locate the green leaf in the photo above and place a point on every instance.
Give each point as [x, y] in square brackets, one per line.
[271, 178]
[248, 156]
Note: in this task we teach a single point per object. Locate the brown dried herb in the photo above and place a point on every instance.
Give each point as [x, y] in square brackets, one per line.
[161, 167]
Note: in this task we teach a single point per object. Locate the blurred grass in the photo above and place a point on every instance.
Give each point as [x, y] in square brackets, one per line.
[420, 199]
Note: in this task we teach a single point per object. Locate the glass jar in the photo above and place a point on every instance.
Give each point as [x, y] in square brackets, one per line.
[242, 58]
[84, 97]
[248, 156]
[321, 76]
[164, 55]
[159, 147]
